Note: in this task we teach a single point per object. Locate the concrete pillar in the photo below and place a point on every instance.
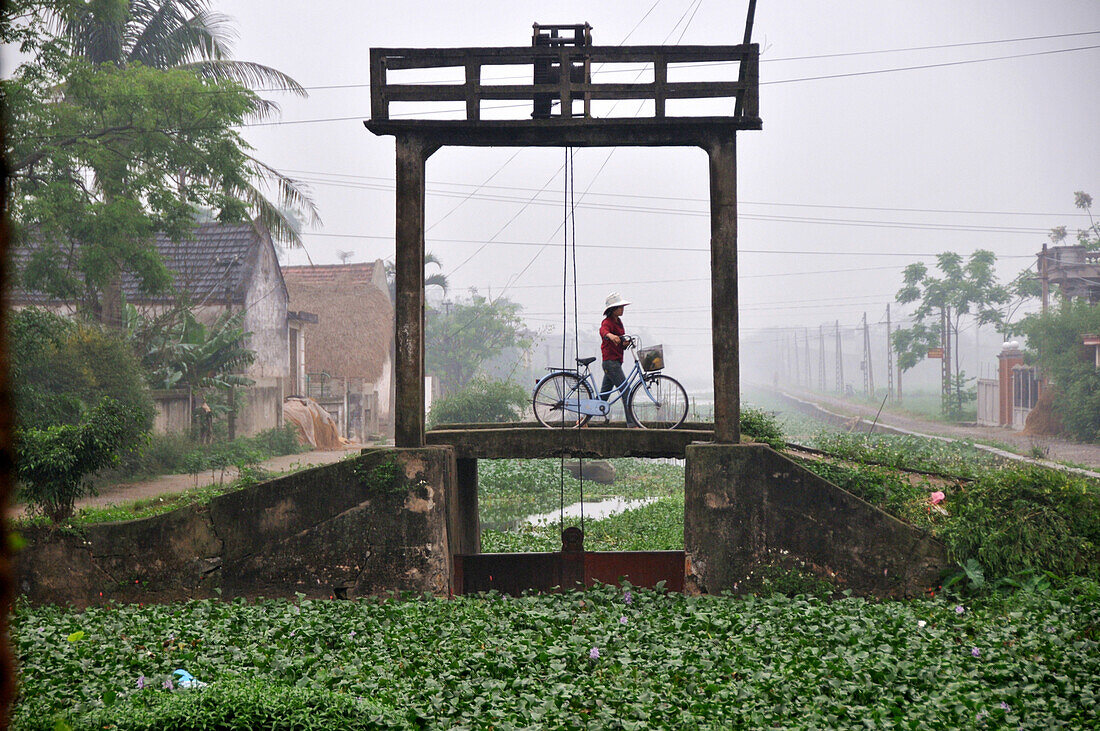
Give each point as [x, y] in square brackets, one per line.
[1009, 357]
[465, 523]
[412, 154]
[723, 294]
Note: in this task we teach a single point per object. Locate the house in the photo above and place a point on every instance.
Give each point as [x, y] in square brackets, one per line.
[222, 267]
[350, 349]
[1075, 270]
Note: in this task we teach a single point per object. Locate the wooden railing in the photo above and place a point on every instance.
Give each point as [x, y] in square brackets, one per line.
[567, 89]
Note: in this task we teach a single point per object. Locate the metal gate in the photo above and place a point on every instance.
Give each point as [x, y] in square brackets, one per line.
[514, 573]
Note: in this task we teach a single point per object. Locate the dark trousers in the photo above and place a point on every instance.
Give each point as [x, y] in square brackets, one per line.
[613, 376]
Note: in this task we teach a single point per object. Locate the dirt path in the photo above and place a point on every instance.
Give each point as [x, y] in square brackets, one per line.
[1058, 450]
[169, 484]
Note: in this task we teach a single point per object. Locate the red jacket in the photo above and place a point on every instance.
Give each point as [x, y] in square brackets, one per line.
[608, 349]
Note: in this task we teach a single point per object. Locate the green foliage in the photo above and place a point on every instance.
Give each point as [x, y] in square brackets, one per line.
[1028, 660]
[459, 342]
[509, 490]
[905, 452]
[178, 453]
[178, 351]
[762, 426]
[54, 463]
[242, 704]
[1056, 338]
[123, 124]
[61, 369]
[658, 526]
[967, 289]
[1033, 519]
[481, 400]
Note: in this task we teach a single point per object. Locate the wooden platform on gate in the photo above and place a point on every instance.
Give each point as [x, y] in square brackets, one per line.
[534, 441]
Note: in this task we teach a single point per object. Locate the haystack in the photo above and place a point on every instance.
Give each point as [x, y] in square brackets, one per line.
[315, 425]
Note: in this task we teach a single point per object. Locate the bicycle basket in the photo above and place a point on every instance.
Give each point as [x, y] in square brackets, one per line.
[652, 358]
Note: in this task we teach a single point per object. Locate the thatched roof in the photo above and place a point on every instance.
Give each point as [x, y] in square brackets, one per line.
[354, 332]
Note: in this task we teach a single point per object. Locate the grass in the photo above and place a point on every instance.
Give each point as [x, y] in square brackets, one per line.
[603, 658]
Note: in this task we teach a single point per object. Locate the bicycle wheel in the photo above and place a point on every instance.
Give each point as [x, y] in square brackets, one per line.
[664, 407]
[550, 397]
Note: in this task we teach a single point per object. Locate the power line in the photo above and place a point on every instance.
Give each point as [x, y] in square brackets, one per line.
[389, 185]
[644, 247]
[862, 223]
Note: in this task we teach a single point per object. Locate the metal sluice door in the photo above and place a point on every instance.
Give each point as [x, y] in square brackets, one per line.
[514, 573]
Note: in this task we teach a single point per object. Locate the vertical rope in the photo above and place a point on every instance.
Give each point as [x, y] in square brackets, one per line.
[564, 321]
[576, 326]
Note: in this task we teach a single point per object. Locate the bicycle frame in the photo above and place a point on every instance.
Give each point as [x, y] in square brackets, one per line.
[601, 405]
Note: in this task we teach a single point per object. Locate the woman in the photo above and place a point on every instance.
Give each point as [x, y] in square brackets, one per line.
[613, 342]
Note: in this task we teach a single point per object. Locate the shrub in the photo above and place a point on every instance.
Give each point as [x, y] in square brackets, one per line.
[54, 462]
[762, 426]
[62, 369]
[1018, 520]
[482, 400]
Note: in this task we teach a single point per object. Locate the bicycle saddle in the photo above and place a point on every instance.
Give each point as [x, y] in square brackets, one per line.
[585, 361]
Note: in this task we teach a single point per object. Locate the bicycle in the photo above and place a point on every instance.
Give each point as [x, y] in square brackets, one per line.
[564, 398]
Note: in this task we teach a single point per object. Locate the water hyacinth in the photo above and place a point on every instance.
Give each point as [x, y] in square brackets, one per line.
[140, 682]
[594, 653]
[168, 684]
[960, 609]
[628, 598]
[622, 620]
[975, 652]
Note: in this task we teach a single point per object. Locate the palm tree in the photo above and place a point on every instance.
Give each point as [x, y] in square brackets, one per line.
[186, 34]
[439, 279]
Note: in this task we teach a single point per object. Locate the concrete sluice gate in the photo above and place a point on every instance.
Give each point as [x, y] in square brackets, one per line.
[406, 520]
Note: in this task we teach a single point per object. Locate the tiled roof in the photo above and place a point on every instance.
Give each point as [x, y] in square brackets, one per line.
[212, 267]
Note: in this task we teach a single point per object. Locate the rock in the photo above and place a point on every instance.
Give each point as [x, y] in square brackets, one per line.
[595, 470]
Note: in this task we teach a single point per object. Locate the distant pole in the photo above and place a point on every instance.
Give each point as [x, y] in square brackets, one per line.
[889, 355]
[821, 359]
[868, 377]
[1043, 277]
[793, 349]
[839, 361]
[809, 374]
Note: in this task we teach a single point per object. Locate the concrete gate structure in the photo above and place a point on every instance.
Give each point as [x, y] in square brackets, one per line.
[744, 502]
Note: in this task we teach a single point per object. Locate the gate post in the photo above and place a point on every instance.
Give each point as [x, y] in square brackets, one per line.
[412, 153]
[723, 289]
[465, 524]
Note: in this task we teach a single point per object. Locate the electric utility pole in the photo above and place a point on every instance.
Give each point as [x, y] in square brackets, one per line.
[839, 362]
[868, 376]
[821, 360]
[889, 356]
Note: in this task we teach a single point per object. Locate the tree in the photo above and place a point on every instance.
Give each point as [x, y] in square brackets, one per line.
[123, 125]
[179, 351]
[459, 342]
[61, 370]
[437, 279]
[967, 289]
[1055, 337]
[54, 463]
[80, 401]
